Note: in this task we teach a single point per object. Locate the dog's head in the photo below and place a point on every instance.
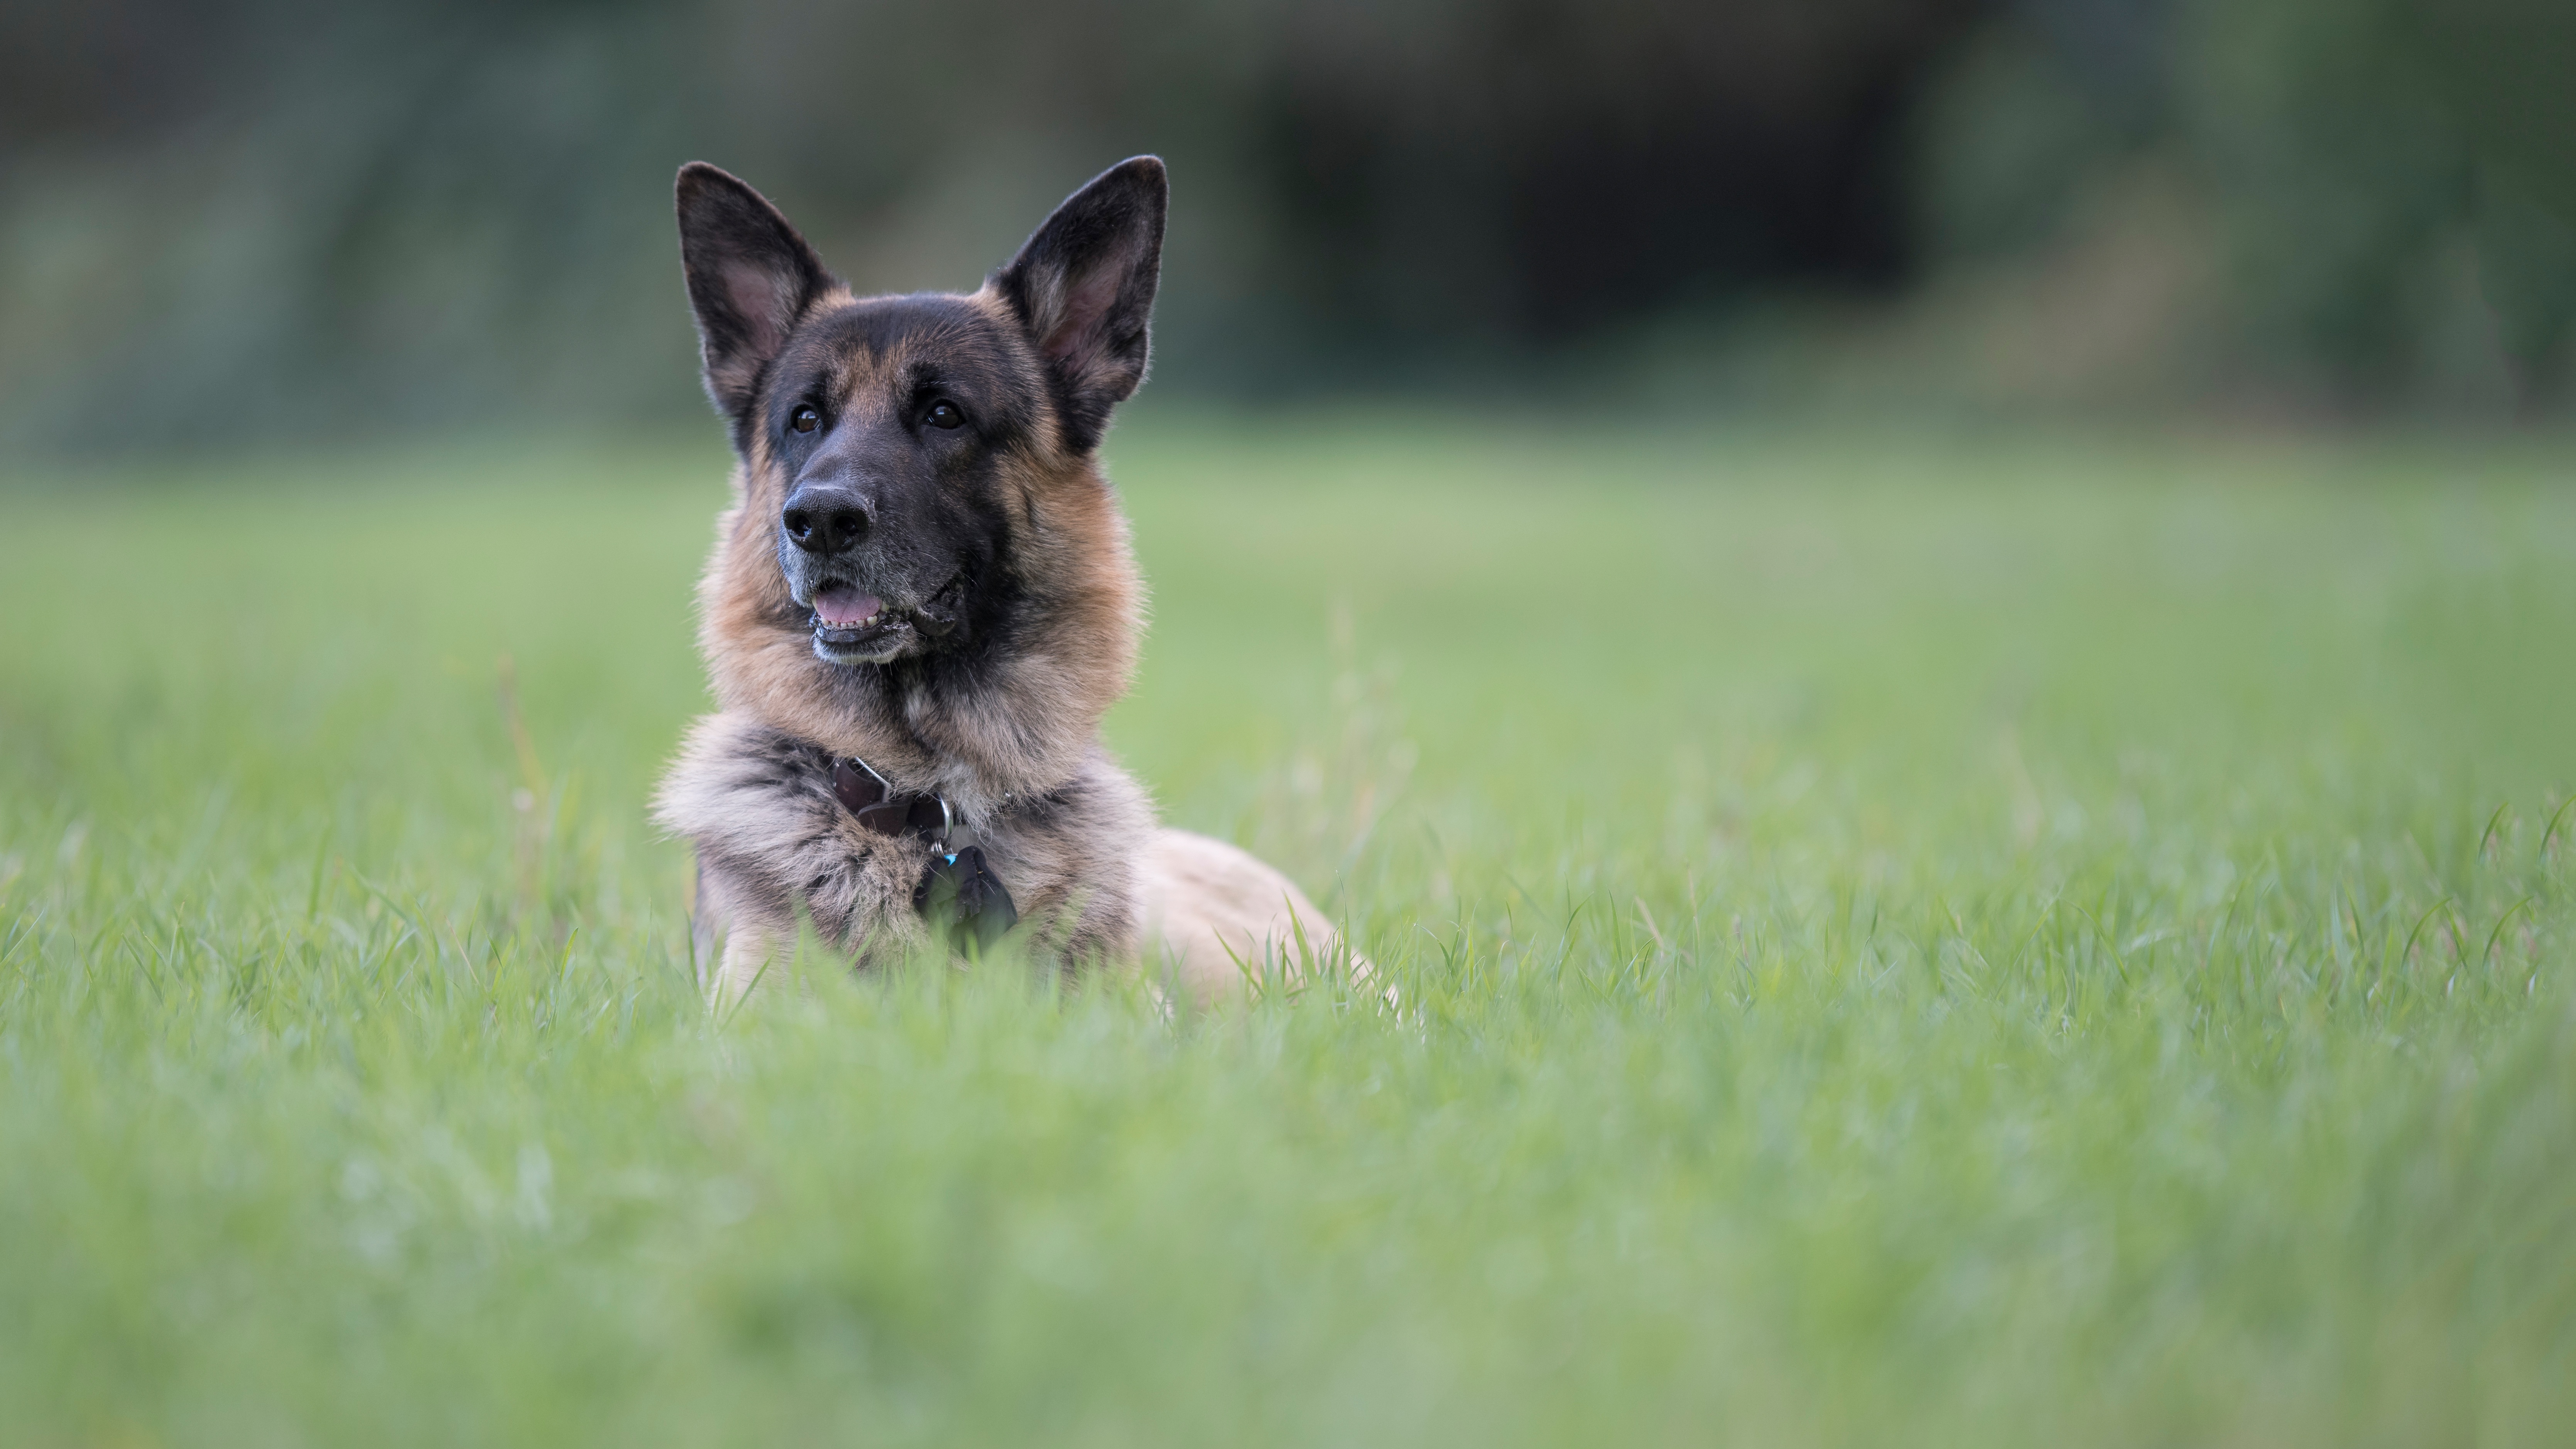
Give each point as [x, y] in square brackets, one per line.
[897, 450]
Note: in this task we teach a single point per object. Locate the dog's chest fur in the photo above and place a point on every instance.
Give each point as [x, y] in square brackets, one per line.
[774, 841]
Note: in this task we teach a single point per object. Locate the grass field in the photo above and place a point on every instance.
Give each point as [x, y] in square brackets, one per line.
[1908, 939]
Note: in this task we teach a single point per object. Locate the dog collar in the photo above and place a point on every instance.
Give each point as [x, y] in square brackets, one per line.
[959, 891]
[866, 794]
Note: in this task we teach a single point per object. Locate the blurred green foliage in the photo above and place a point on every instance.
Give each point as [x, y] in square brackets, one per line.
[2377, 176]
[273, 216]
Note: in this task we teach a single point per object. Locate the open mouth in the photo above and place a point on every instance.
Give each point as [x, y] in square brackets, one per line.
[853, 626]
[850, 625]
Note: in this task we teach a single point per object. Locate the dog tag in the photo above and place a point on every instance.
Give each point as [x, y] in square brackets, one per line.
[960, 895]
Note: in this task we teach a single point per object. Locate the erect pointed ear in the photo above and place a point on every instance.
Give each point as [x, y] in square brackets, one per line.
[1084, 288]
[750, 277]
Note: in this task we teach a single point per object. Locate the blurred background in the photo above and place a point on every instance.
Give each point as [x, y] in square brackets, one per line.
[251, 219]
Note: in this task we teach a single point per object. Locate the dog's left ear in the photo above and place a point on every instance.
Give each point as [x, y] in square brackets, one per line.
[1084, 288]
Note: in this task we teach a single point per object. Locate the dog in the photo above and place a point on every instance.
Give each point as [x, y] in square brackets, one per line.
[919, 606]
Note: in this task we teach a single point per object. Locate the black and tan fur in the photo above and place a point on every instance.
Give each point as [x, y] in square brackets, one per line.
[1008, 603]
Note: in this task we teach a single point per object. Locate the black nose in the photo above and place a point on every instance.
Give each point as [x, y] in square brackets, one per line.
[823, 520]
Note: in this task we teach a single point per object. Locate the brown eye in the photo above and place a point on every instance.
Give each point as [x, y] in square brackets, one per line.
[944, 415]
[805, 420]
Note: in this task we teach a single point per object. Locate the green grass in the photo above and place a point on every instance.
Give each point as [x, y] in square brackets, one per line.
[1905, 939]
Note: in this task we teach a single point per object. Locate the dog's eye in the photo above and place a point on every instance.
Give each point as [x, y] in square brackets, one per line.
[944, 415]
[805, 420]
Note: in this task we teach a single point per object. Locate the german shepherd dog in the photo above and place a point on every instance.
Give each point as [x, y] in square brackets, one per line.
[921, 603]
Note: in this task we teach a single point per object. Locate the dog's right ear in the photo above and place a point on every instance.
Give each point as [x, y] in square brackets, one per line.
[750, 277]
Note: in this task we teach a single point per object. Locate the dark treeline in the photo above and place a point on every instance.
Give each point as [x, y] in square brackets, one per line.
[246, 216]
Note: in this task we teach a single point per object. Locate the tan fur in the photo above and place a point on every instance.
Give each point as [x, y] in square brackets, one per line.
[1010, 738]
[1218, 918]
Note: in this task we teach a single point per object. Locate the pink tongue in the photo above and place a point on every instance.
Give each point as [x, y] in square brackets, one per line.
[845, 608]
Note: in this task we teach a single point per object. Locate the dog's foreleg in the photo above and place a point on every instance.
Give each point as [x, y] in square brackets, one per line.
[731, 947]
[706, 935]
[748, 953]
